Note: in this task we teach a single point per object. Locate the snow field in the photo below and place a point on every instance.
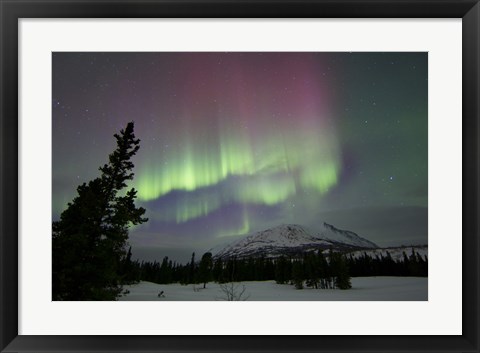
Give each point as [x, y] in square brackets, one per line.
[363, 289]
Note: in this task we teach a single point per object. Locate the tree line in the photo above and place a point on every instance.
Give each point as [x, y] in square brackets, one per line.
[311, 269]
[385, 265]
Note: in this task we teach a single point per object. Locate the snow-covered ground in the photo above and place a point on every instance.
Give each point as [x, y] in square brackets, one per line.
[363, 288]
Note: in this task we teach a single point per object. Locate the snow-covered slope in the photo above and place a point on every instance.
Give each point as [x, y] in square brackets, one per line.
[335, 235]
[291, 239]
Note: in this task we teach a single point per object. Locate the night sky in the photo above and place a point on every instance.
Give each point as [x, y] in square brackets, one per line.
[233, 143]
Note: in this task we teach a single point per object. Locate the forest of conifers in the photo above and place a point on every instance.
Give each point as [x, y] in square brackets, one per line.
[312, 269]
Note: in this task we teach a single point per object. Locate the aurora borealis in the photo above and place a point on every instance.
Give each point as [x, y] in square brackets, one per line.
[233, 143]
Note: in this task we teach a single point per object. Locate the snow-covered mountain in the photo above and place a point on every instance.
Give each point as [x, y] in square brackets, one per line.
[292, 239]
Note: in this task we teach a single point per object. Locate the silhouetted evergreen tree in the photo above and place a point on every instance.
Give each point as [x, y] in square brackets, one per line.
[298, 274]
[249, 269]
[89, 240]
[192, 273]
[339, 268]
[312, 273]
[281, 275]
[205, 269]
[130, 270]
[323, 270]
[218, 271]
[165, 271]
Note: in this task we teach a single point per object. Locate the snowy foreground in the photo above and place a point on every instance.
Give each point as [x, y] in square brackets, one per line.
[363, 288]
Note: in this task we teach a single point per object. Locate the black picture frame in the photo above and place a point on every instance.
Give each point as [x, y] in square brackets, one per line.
[12, 10]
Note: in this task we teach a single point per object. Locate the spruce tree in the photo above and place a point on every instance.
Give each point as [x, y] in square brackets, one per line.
[205, 269]
[128, 269]
[298, 274]
[280, 273]
[218, 270]
[165, 272]
[322, 270]
[340, 271]
[311, 270]
[192, 270]
[89, 240]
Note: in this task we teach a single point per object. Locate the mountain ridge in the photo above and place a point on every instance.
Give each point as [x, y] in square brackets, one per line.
[290, 239]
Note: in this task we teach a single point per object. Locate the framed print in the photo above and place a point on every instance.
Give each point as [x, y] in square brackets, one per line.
[315, 164]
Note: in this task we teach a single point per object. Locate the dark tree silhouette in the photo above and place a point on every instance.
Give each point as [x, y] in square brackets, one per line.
[298, 274]
[281, 275]
[192, 272]
[339, 267]
[90, 239]
[205, 269]
[129, 270]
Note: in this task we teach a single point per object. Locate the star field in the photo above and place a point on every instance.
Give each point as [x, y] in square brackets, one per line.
[233, 143]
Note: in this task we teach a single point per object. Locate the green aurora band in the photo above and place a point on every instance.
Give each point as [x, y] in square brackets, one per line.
[266, 171]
